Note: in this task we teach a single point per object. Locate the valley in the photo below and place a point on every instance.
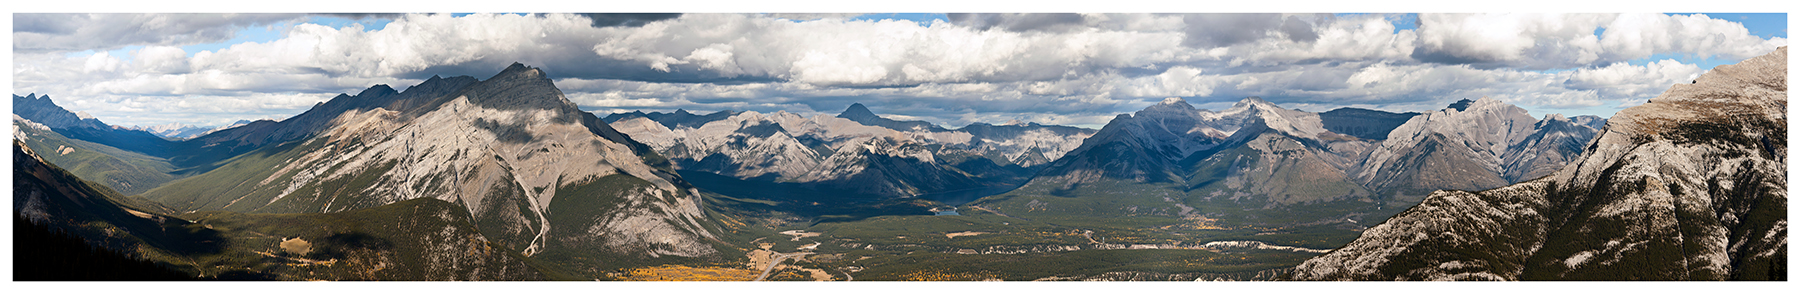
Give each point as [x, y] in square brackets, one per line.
[505, 178]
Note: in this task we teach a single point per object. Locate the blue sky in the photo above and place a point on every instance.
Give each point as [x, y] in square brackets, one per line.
[1048, 68]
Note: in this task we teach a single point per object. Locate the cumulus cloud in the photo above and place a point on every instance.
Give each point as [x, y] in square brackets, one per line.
[1050, 68]
[1633, 81]
[1552, 41]
[876, 53]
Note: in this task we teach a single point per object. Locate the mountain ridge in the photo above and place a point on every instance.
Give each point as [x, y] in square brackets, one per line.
[1689, 186]
[517, 169]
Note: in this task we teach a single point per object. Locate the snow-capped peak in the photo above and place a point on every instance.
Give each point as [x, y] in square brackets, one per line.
[1173, 101]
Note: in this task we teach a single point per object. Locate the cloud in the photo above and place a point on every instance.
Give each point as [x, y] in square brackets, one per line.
[813, 16]
[1365, 38]
[874, 53]
[1227, 29]
[1019, 22]
[1560, 41]
[1063, 68]
[1621, 80]
[49, 32]
[627, 19]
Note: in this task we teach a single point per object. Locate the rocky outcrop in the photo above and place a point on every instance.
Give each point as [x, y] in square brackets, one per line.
[1690, 186]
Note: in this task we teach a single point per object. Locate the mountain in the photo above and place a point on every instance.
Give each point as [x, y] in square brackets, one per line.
[83, 127]
[124, 171]
[536, 175]
[220, 145]
[1555, 142]
[1363, 123]
[861, 114]
[1471, 145]
[1253, 164]
[423, 239]
[47, 195]
[1690, 186]
[856, 152]
[176, 130]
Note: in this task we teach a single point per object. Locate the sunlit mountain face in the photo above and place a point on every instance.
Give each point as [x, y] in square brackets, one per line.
[918, 146]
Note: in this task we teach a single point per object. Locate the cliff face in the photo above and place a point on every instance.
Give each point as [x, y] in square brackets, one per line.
[1691, 186]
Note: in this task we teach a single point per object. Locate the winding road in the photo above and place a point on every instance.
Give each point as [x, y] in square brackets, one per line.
[778, 258]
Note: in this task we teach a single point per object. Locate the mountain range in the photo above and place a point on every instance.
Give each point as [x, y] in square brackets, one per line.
[534, 188]
[526, 169]
[856, 152]
[1256, 164]
[1691, 185]
[185, 131]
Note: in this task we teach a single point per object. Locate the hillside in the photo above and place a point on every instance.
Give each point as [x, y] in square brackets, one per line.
[535, 175]
[1690, 186]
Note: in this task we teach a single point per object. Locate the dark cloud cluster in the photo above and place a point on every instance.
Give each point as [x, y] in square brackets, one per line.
[1227, 29]
[47, 32]
[1019, 22]
[627, 19]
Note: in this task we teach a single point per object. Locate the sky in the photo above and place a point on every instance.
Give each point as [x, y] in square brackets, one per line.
[952, 69]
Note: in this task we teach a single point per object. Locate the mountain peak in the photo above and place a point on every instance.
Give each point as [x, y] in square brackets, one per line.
[859, 113]
[378, 89]
[519, 70]
[1555, 116]
[1255, 101]
[518, 87]
[1461, 105]
[1172, 103]
[856, 109]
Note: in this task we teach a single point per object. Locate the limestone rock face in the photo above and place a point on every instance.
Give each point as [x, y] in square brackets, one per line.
[1690, 186]
[536, 174]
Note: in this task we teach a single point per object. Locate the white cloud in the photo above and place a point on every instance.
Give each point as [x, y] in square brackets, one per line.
[1625, 80]
[1073, 69]
[160, 59]
[1633, 36]
[1553, 41]
[878, 53]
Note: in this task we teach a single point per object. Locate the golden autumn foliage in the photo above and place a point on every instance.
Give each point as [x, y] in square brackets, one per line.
[687, 273]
